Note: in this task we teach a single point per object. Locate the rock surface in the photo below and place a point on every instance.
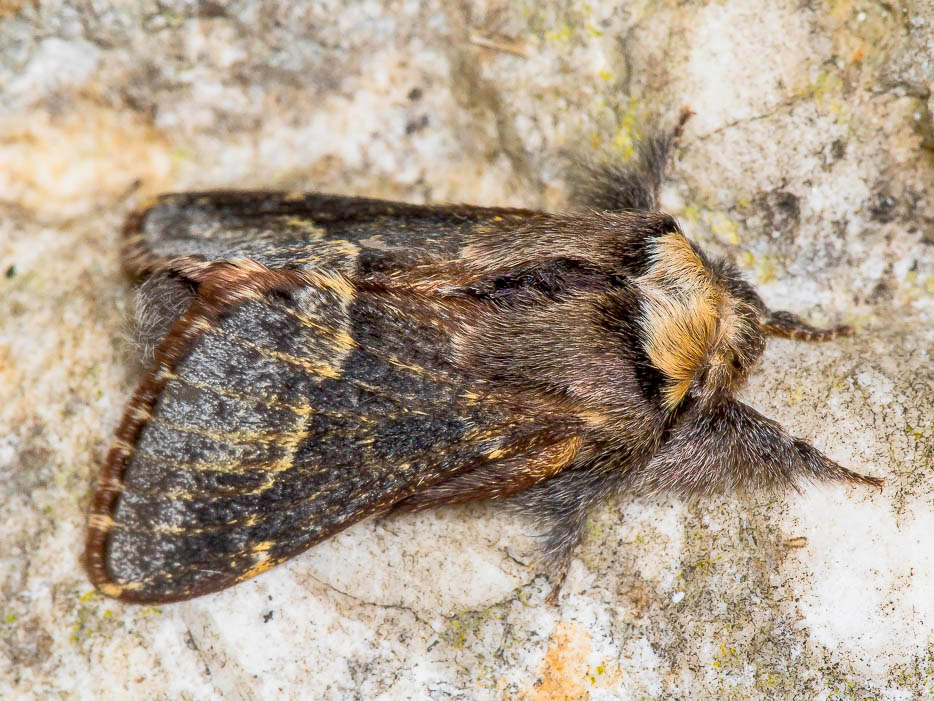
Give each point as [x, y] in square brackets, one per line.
[808, 162]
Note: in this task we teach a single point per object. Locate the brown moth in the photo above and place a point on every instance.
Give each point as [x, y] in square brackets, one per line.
[315, 360]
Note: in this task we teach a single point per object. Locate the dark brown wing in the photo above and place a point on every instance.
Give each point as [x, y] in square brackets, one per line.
[282, 407]
[438, 249]
[299, 230]
[362, 237]
[174, 238]
[320, 359]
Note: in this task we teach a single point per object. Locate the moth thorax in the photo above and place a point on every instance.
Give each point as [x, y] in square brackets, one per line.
[682, 311]
[703, 344]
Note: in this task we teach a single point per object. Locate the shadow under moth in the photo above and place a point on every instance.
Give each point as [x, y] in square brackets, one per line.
[314, 360]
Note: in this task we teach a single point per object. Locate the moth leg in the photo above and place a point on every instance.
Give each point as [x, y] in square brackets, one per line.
[730, 445]
[634, 185]
[788, 325]
[558, 501]
[559, 507]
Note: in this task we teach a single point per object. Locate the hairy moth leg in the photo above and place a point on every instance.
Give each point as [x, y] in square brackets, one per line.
[729, 445]
[559, 507]
[615, 186]
[788, 325]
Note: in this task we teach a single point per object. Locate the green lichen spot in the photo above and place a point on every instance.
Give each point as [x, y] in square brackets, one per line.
[766, 271]
[725, 228]
[593, 31]
[562, 34]
[691, 214]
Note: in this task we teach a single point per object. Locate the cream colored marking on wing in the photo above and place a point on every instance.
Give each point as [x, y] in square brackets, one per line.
[346, 343]
[112, 485]
[140, 413]
[329, 251]
[162, 373]
[112, 590]
[221, 437]
[310, 230]
[262, 564]
[121, 447]
[331, 281]
[317, 285]
[101, 522]
[298, 409]
[342, 339]
[313, 368]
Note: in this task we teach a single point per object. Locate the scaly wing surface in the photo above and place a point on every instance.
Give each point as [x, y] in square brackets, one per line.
[282, 407]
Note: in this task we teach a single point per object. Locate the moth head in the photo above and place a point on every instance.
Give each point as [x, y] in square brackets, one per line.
[737, 343]
[701, 336]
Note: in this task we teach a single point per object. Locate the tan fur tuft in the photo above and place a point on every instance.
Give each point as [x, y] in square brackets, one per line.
[680, 320]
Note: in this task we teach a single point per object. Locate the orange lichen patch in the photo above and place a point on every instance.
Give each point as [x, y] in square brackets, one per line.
[64, 165]
[680, 319]
[564, 670]
[10, 8]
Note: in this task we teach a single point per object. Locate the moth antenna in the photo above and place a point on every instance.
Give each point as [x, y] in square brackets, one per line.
[788, 325]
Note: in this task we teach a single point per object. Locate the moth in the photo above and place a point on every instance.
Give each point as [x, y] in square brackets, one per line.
[314, 360]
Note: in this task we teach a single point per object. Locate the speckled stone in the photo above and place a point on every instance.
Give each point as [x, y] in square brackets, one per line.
[808, 162]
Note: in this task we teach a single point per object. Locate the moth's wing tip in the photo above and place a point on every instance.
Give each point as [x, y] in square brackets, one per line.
[129, 593]
[98, 566]
[141, 591]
